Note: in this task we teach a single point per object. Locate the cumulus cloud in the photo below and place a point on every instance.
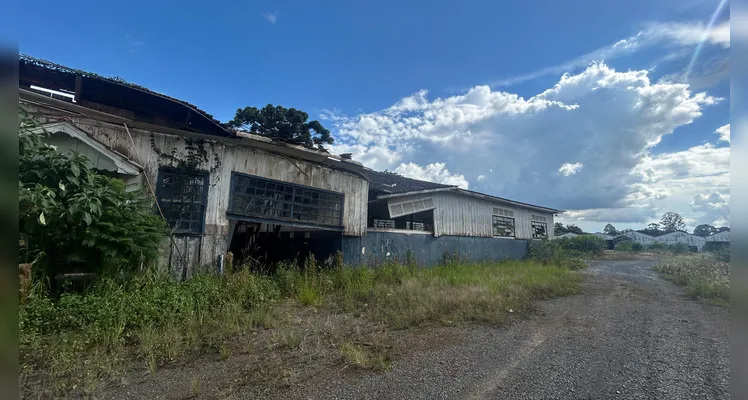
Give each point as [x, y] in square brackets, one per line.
[570, 169]
[436, 172]
[481, 178]
[606, 120]
[713, 207]
[724, 133]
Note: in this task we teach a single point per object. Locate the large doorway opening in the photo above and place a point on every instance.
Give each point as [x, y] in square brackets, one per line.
[265, 245]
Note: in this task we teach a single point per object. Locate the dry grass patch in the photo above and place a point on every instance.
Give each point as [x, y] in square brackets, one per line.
[703, 275]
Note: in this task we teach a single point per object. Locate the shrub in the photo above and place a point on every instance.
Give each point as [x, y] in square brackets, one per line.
[637, 246]
[553, 252]
[679, 248]
[585, 244]
[78, 220]
[625, 246]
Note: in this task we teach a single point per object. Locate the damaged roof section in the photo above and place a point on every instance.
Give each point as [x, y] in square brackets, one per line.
[392, 183]
[384, 185]
[116, 96]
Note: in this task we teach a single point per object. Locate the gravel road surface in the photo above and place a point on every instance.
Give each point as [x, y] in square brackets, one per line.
[629, 335]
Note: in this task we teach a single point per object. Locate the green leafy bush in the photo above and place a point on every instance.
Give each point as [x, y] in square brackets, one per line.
[637, 246]
[553, 252]
[584, 244]
[77, 219]
[625, 246]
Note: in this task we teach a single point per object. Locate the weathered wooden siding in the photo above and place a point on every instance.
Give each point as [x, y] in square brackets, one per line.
[459, 215]
[222, 159]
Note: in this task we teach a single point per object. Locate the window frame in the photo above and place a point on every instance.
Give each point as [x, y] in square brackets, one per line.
[501, 217]
[545, 226]
[231, 212]
[203, 205]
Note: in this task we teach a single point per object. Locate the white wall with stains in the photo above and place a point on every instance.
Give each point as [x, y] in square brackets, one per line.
[221, 160]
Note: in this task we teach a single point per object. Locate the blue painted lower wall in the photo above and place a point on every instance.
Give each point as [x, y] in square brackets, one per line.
[375, 247]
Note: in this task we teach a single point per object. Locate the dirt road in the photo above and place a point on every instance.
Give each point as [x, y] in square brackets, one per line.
[630, 335]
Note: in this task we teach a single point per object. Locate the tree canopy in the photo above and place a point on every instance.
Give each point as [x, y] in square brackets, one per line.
[704, 230]
[652, 229]
[610, 229]
[672, 222]
[559, 229]
[286, 124]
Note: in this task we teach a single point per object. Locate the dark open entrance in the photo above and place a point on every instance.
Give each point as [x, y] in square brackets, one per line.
[266, 244]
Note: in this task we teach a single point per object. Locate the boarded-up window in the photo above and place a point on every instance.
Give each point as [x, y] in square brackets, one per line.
[503, 226]
[182, 198]
[253, 196]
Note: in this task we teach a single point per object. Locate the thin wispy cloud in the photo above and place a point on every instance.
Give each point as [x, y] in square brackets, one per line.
[675, 34]
[270, 17]
[132, 43]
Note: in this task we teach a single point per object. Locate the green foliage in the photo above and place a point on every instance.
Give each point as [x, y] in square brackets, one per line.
[704, 230]
[625, 246]
[679, 248]
[637, 246]
[554, 252]
[78, 219]
[584, 244]
[286, 124]
[672, 222]
[610, 230]
[652, 229]
[560, 229]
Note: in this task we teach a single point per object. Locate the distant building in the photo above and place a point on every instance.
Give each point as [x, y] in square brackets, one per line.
[695, 243]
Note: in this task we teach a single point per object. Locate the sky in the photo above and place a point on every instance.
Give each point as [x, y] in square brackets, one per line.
[614, 111]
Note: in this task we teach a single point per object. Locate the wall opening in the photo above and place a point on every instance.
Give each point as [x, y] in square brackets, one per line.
[264, 245]
[379, 218]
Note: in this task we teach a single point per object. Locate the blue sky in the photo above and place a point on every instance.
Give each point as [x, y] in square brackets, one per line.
[346, 60]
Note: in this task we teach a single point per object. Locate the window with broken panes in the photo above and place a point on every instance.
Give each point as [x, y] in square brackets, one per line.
[503, 226]
[258, 197]
[384, 223]
[182, 198]
[539, 230]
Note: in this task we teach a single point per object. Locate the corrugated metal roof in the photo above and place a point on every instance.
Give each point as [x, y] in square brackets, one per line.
[392, 183]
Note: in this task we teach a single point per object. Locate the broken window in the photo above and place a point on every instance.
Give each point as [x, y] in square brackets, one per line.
[384, 223]
[182, 198]
[267, 198]
[539, 230]
[503, 226]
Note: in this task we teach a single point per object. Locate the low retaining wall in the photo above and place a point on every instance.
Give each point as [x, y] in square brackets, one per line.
[428, 250]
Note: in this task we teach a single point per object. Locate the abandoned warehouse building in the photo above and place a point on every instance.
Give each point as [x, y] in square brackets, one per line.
[263, 200]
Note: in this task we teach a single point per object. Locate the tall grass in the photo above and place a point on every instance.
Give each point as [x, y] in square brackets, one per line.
[79, 340]
[704, 276]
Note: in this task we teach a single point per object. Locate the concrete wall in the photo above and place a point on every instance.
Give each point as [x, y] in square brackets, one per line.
[377, 246]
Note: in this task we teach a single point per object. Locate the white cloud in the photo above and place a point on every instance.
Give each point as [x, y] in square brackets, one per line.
[724, 133]
[714, 208]
[688, 34]
[670, 34]
[570, 169]
[270, 17]
[604, 119]
[481, 178]
[436, 172]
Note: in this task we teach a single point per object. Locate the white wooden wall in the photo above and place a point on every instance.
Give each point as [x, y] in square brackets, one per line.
[232, 158]
[459, 215]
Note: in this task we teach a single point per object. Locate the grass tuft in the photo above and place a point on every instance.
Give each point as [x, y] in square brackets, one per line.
[704, 276]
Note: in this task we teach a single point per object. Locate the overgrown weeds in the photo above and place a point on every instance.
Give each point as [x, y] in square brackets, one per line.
[704, 276]
[81, 340]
